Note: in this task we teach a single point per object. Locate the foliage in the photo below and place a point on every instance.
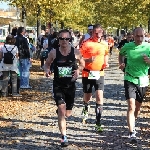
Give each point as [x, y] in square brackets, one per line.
[79, 13]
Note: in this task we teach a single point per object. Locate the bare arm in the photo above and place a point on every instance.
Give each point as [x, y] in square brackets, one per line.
[49, 60]
[81, 40]
[120, 59]
[1, 55]
[80, 59]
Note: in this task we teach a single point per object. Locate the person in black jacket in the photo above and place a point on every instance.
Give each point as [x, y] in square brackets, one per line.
[24, 58]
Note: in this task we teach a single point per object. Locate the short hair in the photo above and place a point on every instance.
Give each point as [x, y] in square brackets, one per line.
[90, 25]
[64, 31]
[136, 28]
[129, 33]
[96, 26]
[10, 39]
[20, 30]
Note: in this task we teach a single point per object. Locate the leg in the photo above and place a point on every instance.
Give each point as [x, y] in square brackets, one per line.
[137, 109]
[130, 114]
[87, 89]
[99, 87]
[14, 82]
[60, 102]
[42, 62]
[5, 83]
[24, 75]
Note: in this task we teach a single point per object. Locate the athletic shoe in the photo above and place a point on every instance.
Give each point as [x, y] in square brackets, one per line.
[99, 128]
[84, 114]
[64, 141]
[132, 138]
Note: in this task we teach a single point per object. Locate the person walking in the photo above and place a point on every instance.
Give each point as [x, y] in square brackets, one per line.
[9, 66]
[24, 58]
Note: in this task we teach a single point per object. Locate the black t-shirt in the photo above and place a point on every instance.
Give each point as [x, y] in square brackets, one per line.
[122, 43]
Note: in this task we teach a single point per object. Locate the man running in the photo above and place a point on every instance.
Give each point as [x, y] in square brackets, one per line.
[95, 53]
[66, 72]
[136, 76]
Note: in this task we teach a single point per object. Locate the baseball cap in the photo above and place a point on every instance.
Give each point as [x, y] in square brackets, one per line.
[90, 26]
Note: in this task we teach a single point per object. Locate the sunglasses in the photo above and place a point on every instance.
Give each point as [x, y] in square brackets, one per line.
[66, 39]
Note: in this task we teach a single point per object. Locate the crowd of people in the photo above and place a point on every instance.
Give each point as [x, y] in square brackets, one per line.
[67, 54]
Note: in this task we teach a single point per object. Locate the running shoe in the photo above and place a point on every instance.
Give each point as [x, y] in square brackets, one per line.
[84, 114]
[64, 141]
[98, 128]
[132, 138]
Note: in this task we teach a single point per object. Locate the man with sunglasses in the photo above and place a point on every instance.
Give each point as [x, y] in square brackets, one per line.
[95, 54]
[136, 77]
[66, 72]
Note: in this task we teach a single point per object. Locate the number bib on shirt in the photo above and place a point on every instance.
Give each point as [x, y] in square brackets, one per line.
[143, 81]
[65, 71]
[94, 75]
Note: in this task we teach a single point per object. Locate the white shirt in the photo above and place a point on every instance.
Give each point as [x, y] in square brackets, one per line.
[10, 67]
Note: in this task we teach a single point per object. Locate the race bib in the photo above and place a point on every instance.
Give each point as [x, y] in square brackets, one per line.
[65, 71]
[94, 75]
[143, 81]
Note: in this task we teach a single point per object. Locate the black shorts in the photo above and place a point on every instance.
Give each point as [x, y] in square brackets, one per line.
[89, 83]
[134, 91]
[64, 96]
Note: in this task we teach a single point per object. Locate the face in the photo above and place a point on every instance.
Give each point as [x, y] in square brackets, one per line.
[90, 31]
[138, 36]
[64, 39]
[97, 33]
[129, 37]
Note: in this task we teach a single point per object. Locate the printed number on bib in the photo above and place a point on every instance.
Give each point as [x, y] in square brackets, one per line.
[143, 81]
[65, 71]
[94, 75]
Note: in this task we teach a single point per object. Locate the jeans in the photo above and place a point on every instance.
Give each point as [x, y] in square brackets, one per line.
[24, 66]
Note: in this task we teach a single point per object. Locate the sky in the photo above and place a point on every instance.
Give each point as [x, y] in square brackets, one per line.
[4, 5]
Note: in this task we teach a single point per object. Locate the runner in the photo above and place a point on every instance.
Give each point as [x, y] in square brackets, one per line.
[136, 76]
[95, 53]
[66, 72]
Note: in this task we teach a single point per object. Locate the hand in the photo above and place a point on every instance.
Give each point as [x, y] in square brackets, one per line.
[76, 74]
[31, 60]
[146, 59]
[122, 66]
[47, 74]
[106, 65]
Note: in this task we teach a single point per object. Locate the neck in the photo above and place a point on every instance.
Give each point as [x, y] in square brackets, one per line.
[138, 43]
[65, 49]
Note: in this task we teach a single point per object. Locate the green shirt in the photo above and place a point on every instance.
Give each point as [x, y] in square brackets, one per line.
[136, 67]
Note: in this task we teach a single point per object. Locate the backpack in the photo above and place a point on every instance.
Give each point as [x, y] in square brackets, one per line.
[44, 54]
[8, 56]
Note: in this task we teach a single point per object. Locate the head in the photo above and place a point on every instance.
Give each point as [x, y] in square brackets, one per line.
[64, 37]
[97, 31]
[14, 31]
[138, 35]
[21, 30]
[90, 29]
[10, 40]
[129, 37]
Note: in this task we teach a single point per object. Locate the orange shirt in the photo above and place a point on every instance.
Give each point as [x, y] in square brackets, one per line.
[91, 48]
[111, 42]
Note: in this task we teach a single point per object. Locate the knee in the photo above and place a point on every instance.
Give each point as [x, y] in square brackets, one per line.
[131, 107]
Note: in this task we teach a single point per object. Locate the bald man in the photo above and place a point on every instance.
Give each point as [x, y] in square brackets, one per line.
[136, 76]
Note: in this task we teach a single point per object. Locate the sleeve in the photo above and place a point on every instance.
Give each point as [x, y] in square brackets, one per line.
[123, 50]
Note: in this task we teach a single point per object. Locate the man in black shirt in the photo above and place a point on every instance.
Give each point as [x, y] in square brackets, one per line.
[128, 39]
